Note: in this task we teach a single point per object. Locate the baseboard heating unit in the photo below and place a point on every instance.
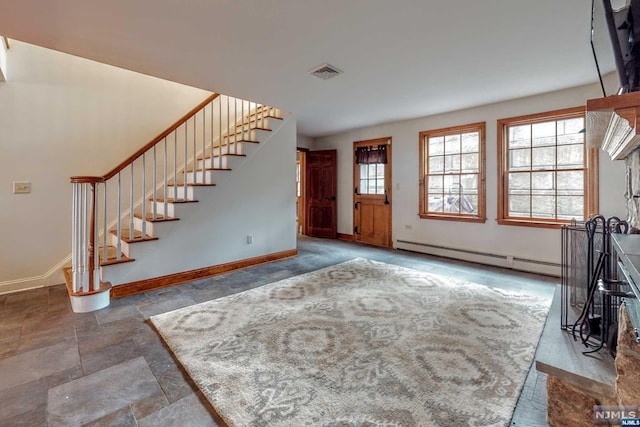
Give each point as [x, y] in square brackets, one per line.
[506, 261]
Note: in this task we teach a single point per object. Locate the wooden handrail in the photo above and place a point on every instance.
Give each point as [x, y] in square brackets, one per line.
[159, 138]
[86, 179]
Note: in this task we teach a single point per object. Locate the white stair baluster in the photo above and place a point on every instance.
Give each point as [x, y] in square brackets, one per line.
[144, 195]
[164, 183]
[119, 220]
[131, 204]
[105, 234]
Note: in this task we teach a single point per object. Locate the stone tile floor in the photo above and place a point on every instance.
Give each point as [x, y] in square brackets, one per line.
[110, 368]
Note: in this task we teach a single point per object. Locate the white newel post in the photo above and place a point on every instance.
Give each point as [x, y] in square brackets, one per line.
[86, 293]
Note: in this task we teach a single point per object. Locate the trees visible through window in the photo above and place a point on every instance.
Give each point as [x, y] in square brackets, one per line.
[452, 171]
[546, 171]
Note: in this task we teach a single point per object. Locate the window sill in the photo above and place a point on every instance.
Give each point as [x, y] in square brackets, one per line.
[532, 223]
[460, 218]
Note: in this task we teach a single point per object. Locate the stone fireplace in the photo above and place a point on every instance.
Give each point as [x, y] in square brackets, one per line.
[571, 401]
[632, 190]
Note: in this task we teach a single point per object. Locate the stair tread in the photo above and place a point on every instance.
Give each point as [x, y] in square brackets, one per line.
[190, 170]
[172, 200]
[208, 168]
[251, 141]
[265, 115]
[111, 257]
[263, 108]
[252, 128]
[194, 184]
[159, 217]
[251, 125]
[224, 154]
[137, 236]
[226, 143]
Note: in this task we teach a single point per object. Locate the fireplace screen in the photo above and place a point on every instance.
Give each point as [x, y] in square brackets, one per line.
[588, 266]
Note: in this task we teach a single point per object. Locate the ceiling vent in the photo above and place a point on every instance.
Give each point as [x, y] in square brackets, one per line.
[325, 71]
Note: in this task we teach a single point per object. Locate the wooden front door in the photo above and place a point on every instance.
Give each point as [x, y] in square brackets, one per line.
[321, 184]
[372, 178]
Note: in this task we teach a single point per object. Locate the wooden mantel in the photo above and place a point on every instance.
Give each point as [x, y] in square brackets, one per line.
[612, 124]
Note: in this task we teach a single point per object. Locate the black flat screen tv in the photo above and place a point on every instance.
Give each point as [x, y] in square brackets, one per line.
[615, 27]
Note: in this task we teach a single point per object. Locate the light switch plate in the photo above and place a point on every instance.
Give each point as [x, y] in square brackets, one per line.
[21, 187]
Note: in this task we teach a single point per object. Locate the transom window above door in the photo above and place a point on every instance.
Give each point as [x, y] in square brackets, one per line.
[452, 173]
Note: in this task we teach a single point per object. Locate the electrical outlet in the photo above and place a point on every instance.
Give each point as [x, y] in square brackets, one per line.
[249, 238]
[21, 187]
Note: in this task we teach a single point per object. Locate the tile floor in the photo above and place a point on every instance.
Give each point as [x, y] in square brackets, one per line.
[109, 368]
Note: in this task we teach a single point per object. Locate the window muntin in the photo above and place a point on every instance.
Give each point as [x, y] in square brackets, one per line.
[544, 168]
[452, 173]
[371, 178]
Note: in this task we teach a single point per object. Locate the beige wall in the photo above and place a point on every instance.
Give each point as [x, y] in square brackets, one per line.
[60, 116]
[541, 245]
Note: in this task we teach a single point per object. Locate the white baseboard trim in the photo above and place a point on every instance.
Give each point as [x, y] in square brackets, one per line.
[53, 277]
[24, 284]
[498, 260]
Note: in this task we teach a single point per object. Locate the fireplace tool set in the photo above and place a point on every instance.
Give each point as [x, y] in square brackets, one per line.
[589, 282]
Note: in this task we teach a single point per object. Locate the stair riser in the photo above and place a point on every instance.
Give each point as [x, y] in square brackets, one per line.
[270, 110]
[171, 208]
[216, 162]
[188, 193]
[124, 247]
[154, 229]
[260, 123]
[273, 113]
[251, 135]
[176, 192]
[201, 177]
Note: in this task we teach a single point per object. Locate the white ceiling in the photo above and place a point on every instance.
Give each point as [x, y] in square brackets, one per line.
[401, 58]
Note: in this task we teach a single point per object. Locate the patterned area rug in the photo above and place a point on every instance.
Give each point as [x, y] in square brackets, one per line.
[360, 343]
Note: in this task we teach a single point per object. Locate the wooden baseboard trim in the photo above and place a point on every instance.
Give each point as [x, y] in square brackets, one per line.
[347, 237]
[133, 288]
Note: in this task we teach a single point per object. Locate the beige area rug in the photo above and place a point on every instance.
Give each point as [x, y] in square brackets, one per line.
[360, 343]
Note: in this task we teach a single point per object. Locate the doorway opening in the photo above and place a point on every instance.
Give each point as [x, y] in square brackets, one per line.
[300, 190]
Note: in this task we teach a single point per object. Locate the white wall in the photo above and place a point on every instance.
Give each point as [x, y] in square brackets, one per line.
[3, 60]
[304, 141]
[60, 116]
[510, 241]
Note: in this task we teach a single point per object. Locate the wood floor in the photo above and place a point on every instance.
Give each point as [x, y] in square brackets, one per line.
[110, 368]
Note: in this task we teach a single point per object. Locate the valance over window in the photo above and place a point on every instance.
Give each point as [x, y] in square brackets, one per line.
[370, 155]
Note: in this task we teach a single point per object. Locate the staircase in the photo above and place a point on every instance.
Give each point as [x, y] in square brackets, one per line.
[126, 216]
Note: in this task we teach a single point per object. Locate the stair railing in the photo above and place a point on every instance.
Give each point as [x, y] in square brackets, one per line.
[104, 207]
